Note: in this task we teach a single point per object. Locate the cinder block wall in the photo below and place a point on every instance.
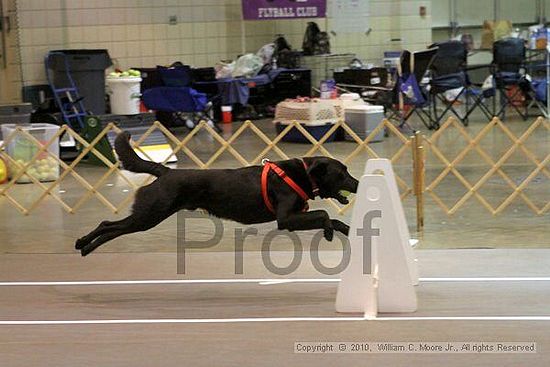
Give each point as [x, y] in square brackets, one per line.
[137, 33]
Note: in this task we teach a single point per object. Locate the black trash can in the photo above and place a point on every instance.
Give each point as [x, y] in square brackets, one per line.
[87, 68]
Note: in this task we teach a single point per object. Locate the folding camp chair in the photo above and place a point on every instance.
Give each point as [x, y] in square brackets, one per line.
[477, 96]
[411, 88]
[176, 102]
[448, 73]
[406, 97]
[511, 80]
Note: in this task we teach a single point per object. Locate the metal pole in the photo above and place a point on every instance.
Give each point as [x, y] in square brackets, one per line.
[419, 178]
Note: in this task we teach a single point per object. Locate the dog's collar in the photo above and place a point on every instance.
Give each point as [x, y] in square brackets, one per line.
[314, 187]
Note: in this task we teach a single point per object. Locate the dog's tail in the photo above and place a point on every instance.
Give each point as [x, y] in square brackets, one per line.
[132, 162]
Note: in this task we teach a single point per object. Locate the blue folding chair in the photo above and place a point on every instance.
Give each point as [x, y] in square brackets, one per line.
[176, 103]
[511, 78]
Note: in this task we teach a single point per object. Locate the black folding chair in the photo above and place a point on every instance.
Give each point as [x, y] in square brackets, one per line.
[477, 96]
[448, 72]
[414, 67]
[511, 80]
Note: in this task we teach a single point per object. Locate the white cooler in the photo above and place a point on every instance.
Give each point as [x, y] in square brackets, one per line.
[363, 119]
[125, 95]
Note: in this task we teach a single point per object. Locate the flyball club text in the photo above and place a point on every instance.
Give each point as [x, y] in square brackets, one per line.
[301, 12]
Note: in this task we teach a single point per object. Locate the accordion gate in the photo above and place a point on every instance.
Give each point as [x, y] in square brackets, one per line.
[425, 153]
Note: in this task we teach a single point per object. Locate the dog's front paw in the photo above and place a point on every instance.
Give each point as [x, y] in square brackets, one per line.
[86, 250]
[340, 226]
[79, 244]
[329, 233]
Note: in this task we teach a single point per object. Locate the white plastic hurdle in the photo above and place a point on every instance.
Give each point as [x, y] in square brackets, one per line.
[374, 166]
[382, 271]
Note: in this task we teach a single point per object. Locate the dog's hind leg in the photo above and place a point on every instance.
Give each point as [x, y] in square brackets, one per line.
[114, 233]
[131, 224]
[102, 228]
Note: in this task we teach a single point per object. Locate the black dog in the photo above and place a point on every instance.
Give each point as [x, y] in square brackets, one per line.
[247, 195]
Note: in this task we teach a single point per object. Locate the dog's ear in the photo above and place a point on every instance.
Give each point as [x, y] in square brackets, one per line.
[317, 168]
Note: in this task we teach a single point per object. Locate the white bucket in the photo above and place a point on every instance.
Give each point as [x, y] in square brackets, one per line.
[125, 95]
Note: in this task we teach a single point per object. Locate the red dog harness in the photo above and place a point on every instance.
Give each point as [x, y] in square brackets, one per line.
[269, 166]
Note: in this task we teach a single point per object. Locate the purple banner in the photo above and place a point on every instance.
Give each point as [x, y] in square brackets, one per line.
[283, 9]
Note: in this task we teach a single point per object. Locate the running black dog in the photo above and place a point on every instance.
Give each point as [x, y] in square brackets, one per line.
[275, 191]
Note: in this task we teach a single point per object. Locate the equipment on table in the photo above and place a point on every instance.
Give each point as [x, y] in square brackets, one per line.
[356, 80]
[323, 66]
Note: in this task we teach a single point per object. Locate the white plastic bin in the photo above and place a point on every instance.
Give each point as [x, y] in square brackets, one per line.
[125, 95]
[22, 149]
[19, 113]
[363, 119]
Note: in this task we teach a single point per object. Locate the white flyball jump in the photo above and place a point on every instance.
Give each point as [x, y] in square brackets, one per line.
[382, 271]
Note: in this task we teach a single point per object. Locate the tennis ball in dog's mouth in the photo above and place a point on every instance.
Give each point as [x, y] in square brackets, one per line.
[344, 193]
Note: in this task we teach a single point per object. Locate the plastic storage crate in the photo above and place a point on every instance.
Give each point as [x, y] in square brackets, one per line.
[22, 149]
[15, 114]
